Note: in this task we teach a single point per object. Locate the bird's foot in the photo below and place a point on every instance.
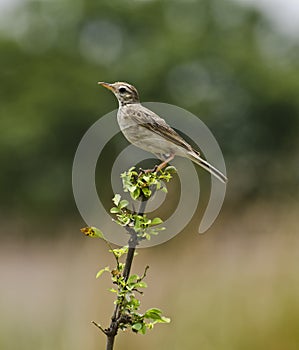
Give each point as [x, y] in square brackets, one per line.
[155, 169]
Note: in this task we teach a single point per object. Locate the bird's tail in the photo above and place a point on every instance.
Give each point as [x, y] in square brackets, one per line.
[207, 166]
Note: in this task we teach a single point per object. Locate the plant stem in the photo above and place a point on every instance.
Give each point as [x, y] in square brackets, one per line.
[110, 342]
[133, 242]
[111, 332]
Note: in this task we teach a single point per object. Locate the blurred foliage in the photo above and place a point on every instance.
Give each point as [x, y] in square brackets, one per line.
[215, 58]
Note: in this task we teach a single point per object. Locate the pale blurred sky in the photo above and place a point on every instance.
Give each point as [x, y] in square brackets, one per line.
[283, 13]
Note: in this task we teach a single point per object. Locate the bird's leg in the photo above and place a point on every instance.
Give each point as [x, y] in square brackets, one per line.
[157, 168]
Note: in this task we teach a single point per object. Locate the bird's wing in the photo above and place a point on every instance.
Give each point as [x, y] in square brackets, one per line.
[157, 125]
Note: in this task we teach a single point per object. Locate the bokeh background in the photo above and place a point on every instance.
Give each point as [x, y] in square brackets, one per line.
[233, 63]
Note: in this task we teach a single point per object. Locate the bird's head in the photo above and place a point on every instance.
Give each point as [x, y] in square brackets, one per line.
[124, 92]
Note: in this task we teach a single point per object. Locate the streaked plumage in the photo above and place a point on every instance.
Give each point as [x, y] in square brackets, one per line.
[146, 130]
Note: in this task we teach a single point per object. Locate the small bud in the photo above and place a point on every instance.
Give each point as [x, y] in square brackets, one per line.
[115, 273]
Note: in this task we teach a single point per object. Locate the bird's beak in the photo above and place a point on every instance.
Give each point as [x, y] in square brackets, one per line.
[107, 85]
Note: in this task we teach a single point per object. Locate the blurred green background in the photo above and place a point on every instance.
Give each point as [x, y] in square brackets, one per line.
[236, 286]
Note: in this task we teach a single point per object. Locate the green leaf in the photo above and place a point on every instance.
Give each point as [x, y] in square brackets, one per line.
[136, 193]
[123, 203]
[114, 210]
[123, 220]
[137, 326]
[116, 199]
[171, 169]
[137, 224]
[165, 319]
[146, 178]
[141, 284]
[155, 231]
[148, 236]
[156, 221]
[146, 191]
[143, 329]
[154, 314]
[105, 269]
[118, 252]
[133, 278]
[146, 220]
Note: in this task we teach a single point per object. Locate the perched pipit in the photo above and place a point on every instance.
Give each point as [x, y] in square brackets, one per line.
[146, 130]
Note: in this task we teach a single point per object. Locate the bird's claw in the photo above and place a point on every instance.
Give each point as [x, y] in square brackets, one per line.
[147, 171]
[155, 169]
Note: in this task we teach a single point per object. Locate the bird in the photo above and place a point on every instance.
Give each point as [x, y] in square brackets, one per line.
[148, 131]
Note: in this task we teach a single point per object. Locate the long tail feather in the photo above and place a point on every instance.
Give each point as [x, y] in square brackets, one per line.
[207, 166]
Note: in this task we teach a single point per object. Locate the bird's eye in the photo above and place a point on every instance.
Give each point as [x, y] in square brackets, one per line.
[122, 90]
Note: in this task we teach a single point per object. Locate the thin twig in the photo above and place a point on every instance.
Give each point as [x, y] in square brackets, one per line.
[99, 326]
[144, 274]
[111, 332]
[115, 256]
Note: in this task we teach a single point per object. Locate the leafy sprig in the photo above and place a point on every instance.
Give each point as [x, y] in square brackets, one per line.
[144, 183]
[141, 224]
[126, 286]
